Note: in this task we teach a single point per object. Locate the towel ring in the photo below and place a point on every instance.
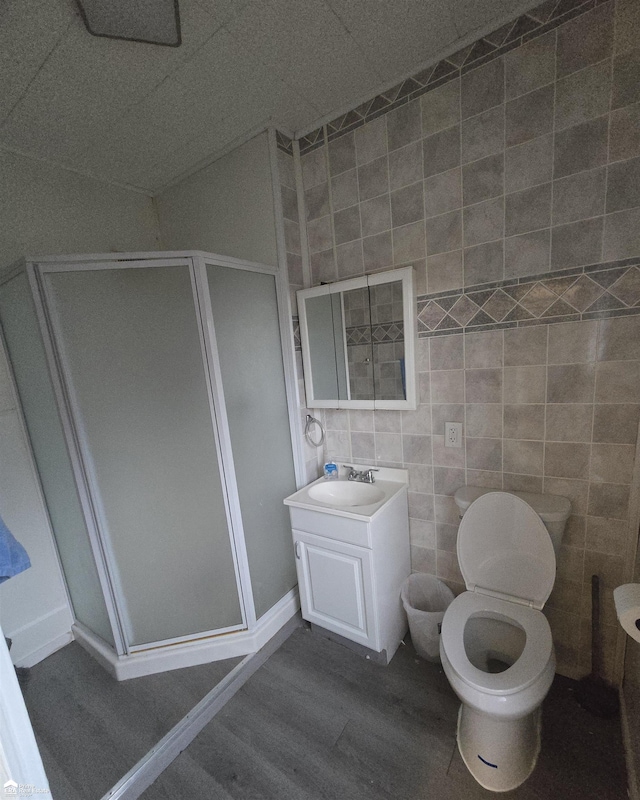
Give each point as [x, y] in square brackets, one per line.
[311, 421]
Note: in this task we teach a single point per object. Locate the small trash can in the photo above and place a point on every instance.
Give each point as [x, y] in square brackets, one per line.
[425, 599]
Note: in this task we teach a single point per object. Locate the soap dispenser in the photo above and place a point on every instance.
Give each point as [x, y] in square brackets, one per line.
[331, 471]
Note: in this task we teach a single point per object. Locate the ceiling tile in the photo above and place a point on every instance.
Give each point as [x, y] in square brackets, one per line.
[28, 33]
[89, 81]
[221, 10]
[219, 84]
[304, 43]
[208, 142]
[398, 36]
[483, 16]
[143, 114]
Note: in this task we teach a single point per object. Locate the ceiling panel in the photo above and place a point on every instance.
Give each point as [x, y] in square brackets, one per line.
[482, 16]
[399, 35]
[88, 82]
[28, 33]
[304, 43]
[213, 138]
[219, 83]
[142, 114]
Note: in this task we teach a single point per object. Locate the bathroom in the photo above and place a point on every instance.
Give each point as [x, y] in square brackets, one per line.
[519, 163]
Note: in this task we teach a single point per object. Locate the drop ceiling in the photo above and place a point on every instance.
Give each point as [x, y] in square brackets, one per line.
[142, 115]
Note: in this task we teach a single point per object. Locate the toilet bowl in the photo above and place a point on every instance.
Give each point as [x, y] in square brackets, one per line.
[496, 646]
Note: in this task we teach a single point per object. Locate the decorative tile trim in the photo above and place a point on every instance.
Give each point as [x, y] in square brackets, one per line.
[284, 143]
[545, 17]
[377, 333]
[592, 292]
[297, 341]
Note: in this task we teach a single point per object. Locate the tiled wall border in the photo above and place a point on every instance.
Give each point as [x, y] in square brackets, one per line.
[581, 293]
[284, 143]
[297, 342]
[572, 295]
[545, 17]
[376, 333]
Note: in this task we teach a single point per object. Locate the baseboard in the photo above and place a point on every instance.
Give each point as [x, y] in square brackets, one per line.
[190, 654]
[40, 638]
[629, 750]
[94, 645]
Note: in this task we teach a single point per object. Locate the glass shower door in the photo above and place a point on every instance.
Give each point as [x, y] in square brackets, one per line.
[244, 310]
[129, 343]
[37, 398]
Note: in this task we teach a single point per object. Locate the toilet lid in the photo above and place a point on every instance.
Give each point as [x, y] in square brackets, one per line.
[505, 550]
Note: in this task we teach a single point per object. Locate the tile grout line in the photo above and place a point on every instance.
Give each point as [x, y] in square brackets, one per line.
[609, 113]
[432, 481]
[586, 514]
[504, 266]
[464, 281]
[546, 404]
[553, 175]
[502, 402]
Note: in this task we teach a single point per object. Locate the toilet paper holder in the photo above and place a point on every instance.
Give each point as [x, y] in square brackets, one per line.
[627, 603]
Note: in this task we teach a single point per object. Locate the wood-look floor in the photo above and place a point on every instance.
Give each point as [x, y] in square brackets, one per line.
[318, 721]
[91, 729]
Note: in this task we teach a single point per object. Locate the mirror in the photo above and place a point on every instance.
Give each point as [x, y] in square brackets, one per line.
[358, 342]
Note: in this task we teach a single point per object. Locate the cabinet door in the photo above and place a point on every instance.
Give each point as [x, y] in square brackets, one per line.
[336, 587]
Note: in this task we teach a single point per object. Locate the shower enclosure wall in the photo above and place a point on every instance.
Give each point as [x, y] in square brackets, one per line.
[158, 392]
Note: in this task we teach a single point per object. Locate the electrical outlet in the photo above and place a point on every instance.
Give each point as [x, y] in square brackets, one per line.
[453, 434]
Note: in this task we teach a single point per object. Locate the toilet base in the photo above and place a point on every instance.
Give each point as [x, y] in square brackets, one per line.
[499, 753]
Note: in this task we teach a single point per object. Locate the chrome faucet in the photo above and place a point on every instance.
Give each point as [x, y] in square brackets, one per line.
[366, 476]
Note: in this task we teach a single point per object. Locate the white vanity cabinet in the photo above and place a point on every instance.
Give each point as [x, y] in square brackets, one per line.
[351, 565]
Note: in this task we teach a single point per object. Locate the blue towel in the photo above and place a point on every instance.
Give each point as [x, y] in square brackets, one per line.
[13, 556]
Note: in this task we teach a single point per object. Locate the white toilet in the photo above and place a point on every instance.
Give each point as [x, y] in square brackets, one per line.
[496, 645]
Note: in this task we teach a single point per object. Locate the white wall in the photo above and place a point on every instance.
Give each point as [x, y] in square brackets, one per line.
[225, 208]
[34, 611]
[46, 210]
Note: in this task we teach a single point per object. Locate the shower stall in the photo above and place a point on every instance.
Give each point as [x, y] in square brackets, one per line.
[159, 396]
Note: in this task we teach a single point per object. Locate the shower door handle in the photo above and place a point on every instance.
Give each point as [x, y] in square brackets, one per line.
[297, 549]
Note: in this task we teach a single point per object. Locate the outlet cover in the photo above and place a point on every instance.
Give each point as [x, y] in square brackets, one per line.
[453, 434]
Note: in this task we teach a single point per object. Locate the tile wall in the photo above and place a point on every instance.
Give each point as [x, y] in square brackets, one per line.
[520, 171]
[526, 165]
[289, 201]
[551, 408]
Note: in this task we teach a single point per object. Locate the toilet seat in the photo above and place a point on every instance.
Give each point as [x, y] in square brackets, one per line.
[532, 661]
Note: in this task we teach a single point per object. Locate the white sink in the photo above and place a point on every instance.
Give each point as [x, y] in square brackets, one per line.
[351, 499]
[345, 494]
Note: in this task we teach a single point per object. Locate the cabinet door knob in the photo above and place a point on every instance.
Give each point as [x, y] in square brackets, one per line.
[297, 549]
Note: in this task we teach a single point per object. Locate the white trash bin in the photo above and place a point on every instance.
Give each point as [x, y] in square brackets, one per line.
[425, 599]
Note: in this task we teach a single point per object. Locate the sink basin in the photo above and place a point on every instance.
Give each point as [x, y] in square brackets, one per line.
[351, 499]
[343, 494]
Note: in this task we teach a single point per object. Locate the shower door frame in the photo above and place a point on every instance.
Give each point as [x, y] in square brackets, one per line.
[200, 261]
[196, 262]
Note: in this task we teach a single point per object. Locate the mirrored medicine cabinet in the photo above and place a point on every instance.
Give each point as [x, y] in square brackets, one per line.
[358, 342]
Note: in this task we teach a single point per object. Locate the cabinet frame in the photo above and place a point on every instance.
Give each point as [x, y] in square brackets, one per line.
[380, 545]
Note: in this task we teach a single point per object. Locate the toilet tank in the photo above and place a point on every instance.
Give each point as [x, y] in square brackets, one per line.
[553, 509]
